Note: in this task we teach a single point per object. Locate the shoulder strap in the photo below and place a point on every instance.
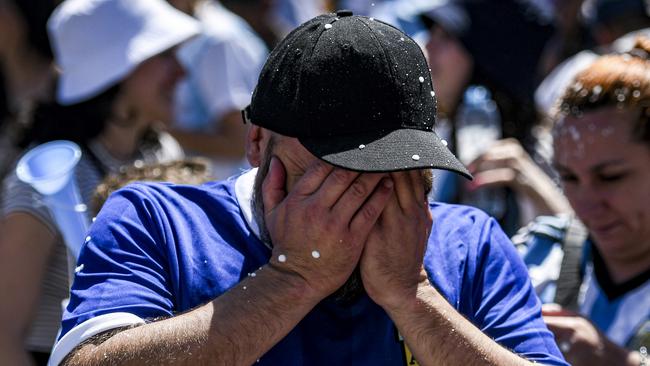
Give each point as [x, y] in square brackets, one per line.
[570, 278]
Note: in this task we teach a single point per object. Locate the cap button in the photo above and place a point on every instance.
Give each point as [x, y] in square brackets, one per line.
[344, 13]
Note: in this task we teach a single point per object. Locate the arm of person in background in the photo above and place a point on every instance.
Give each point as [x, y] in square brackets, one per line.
[582, 343]
[435, 331]
[25, 246]
[332, 208]
[506, 163]
[221, 76]
[225, 143]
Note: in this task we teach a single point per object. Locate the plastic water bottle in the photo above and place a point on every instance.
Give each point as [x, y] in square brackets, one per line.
[478, 126]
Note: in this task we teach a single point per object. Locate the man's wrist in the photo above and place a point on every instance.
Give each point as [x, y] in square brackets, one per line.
[411, 304]
[296, 285]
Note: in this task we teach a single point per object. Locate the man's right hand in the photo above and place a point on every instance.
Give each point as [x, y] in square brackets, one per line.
[319, 229]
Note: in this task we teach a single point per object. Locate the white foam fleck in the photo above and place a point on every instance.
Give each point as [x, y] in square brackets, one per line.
[88, 239]
[79, 268]
[444, 142]
[282, 258]
[433, 94]
[372, 18]
[421, 78]
[315, 254]
[575, 135]
[362, 146]
[253, 274]
[244, 288]
[401, 39]
[328, 26]
[415, 157]
[607, 131]
[597, 89]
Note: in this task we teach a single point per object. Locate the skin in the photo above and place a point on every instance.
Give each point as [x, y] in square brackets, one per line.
[28, 75]
[26, 243]
[146, 98]
[605, 176]
[507, 164]
[351, 219]
[588, 345]
[224, 143]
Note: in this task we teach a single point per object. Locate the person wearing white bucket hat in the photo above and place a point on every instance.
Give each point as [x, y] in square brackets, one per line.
[117, 77]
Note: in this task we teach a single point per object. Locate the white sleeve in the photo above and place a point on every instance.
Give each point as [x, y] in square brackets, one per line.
[88, 329]
[226, 74]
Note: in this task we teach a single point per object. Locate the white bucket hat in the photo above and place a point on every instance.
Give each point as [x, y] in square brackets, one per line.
[97, 43]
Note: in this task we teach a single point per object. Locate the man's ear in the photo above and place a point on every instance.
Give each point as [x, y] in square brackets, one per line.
[256, 140]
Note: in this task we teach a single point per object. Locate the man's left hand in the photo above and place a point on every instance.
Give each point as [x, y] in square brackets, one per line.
[391, 263]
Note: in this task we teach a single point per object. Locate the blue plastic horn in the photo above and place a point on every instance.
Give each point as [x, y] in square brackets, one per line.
[49, 168]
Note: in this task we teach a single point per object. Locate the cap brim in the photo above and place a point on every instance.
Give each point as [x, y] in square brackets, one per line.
[403, 149]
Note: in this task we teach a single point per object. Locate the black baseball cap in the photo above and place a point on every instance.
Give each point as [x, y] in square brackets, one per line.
[356, 92]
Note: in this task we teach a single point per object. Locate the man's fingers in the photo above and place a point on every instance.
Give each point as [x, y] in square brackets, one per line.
[349, 200]
[273, 187]
[370, 211]
[560, 326]
[556, 310]
[313, 178]
[418, 186]
[339, 183]
[403, 189]
[493, 178]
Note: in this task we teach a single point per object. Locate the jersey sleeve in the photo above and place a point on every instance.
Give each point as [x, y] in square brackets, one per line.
[505, 305]
[122, 276]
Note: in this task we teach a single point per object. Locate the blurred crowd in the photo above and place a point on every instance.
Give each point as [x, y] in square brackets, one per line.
[153, 90]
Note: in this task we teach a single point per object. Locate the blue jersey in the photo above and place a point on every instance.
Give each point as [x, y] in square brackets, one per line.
[620, 310]
[156, 250]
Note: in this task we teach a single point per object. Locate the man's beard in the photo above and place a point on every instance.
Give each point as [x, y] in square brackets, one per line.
[353, 288]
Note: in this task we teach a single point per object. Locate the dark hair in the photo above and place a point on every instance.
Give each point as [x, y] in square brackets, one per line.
[35, 13]
[614, 80]
[78, 122]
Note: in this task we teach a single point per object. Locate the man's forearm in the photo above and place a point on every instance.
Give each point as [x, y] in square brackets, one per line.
[236, 328]
[437, 334]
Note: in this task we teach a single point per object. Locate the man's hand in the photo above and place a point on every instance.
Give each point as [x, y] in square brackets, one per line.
[391, 265]
[507, 164]
[580, 341]
[319, 229]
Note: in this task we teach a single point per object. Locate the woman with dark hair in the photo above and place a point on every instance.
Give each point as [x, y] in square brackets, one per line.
[497, 45]
[114, 93]
[26, 72]
[602, 154]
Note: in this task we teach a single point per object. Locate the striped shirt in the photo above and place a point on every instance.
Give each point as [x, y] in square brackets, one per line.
[20, 197]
